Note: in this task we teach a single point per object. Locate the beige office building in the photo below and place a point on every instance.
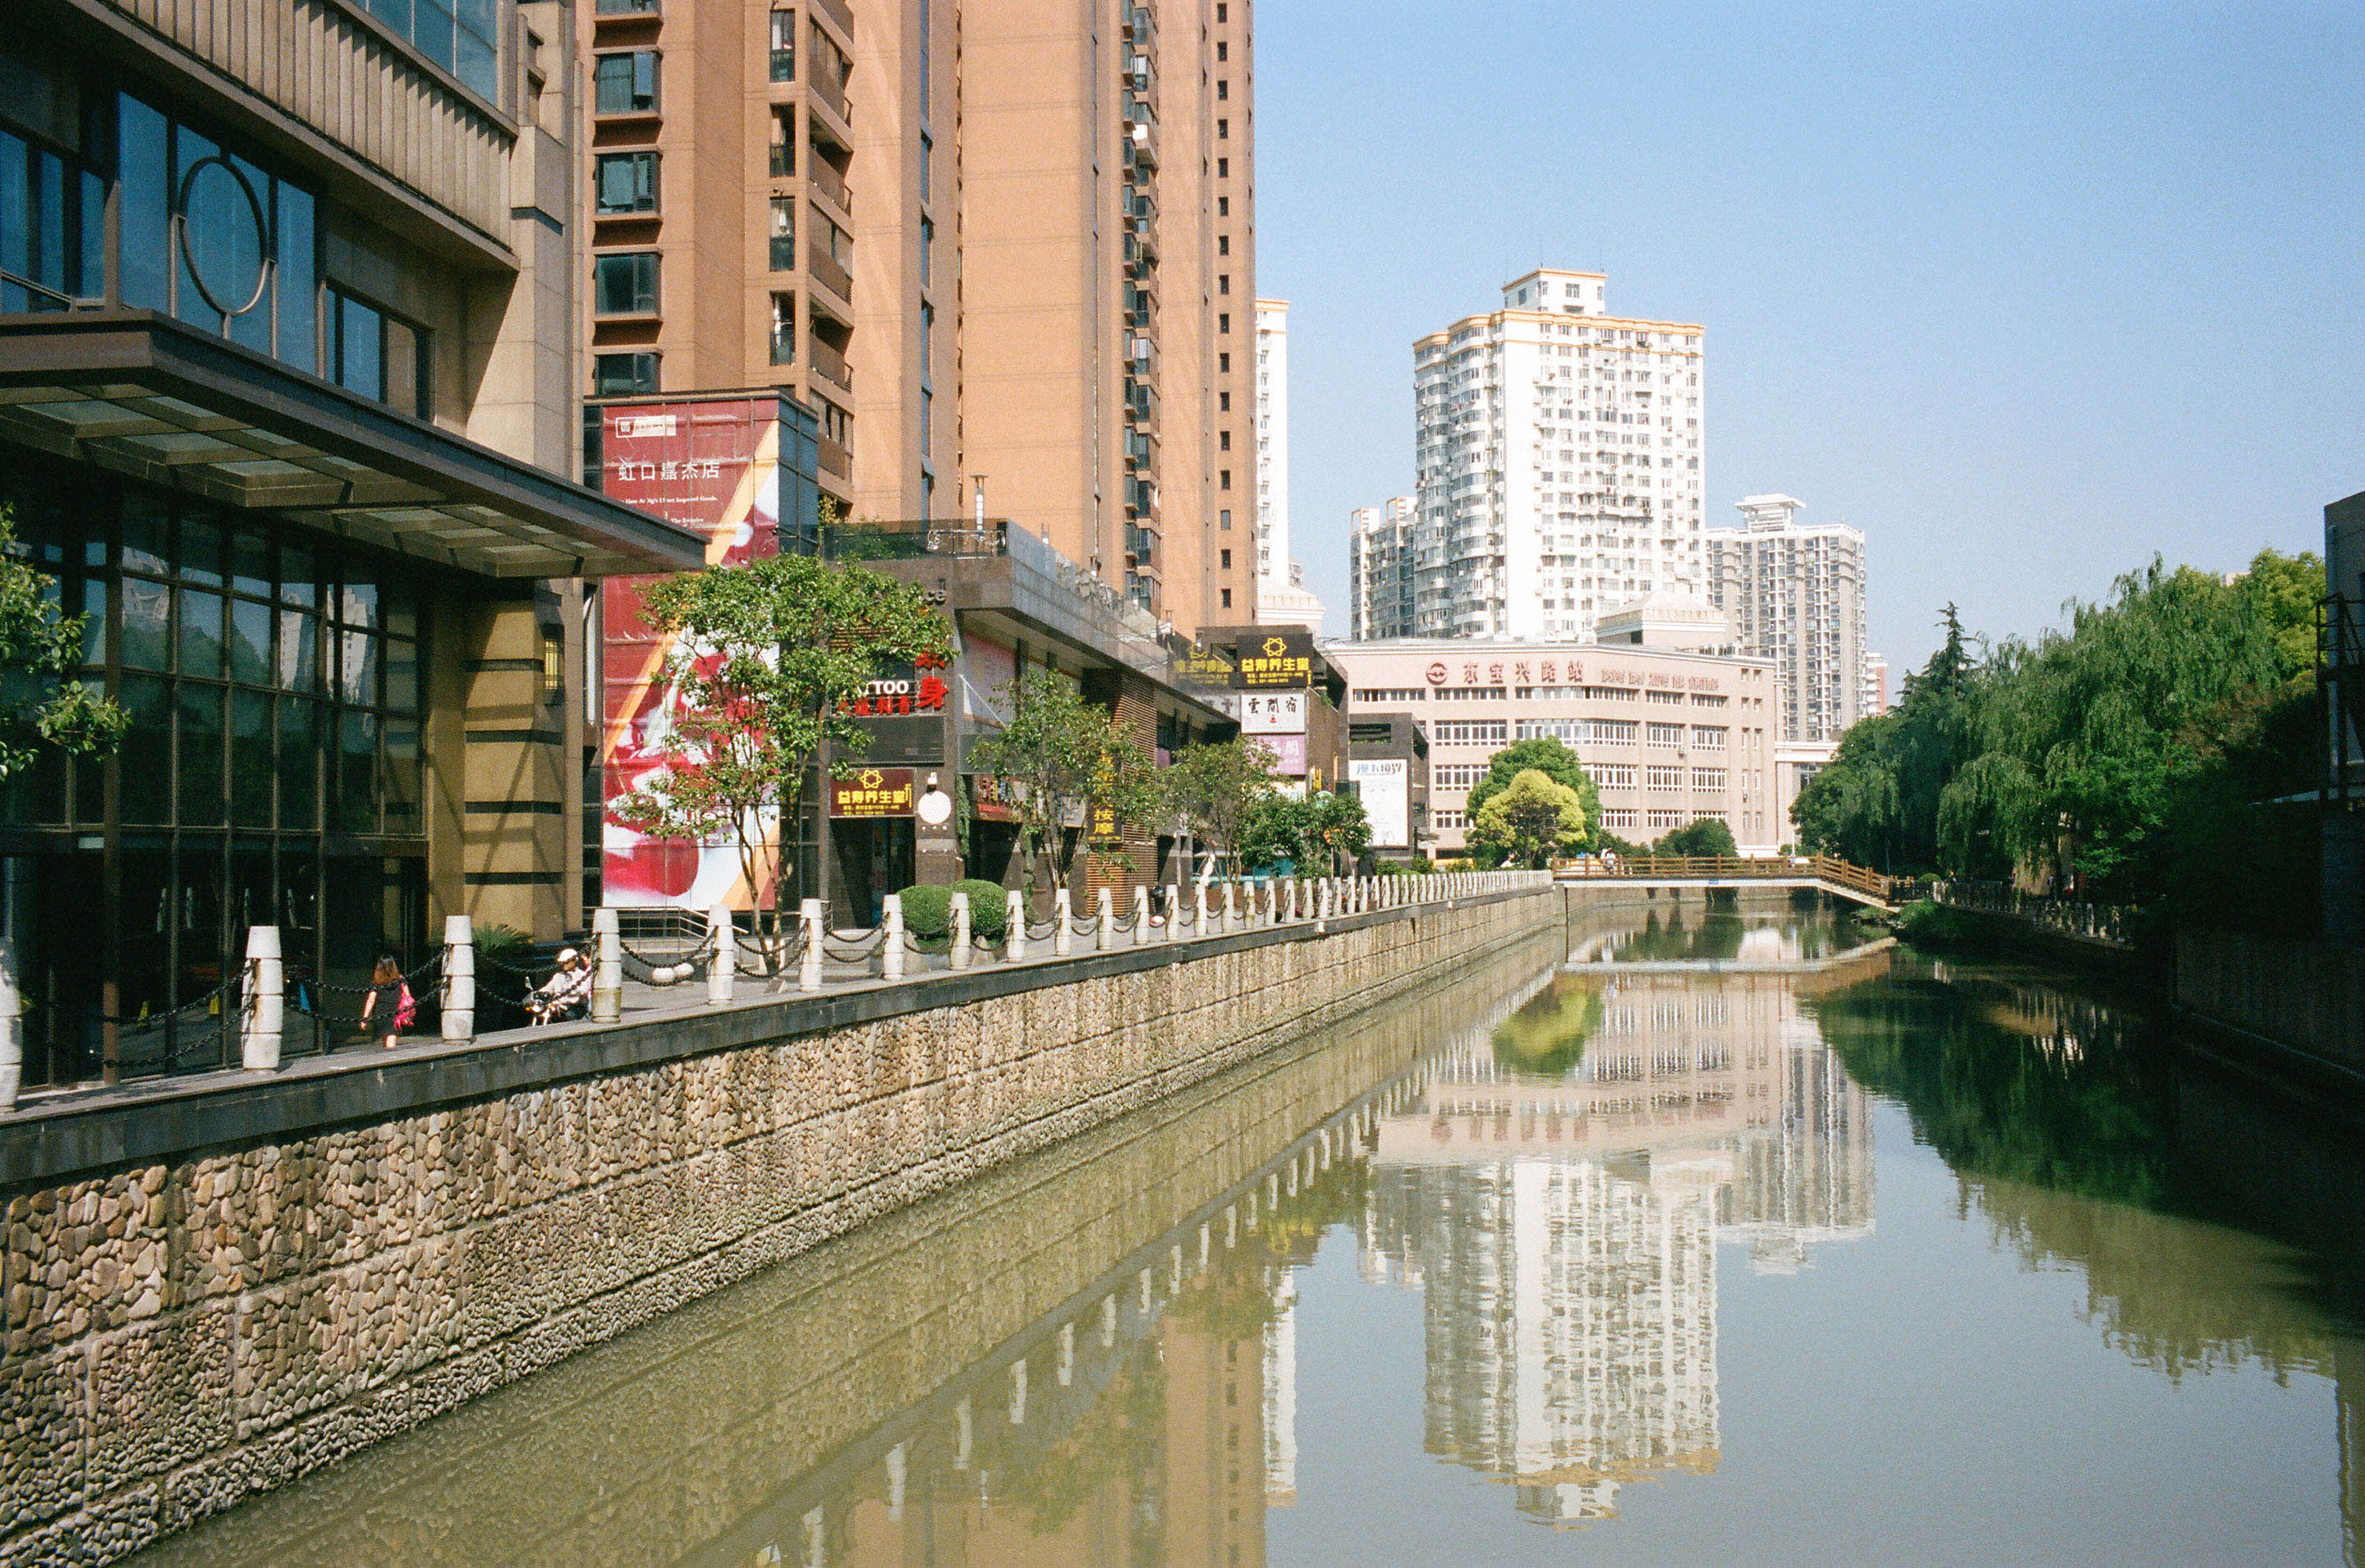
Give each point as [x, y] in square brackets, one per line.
[1668, 737]
[1012, 241]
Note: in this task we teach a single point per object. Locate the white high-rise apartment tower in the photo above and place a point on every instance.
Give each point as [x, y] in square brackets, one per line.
[1280, 596]
[1380, 549]
[1793, 593]
[1559, 461]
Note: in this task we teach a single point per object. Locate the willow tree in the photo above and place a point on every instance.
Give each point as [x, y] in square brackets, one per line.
[769, 660]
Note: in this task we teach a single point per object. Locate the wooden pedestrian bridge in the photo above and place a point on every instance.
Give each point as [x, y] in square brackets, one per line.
[1823, 873]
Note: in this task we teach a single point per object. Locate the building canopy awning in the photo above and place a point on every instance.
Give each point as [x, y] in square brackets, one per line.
[149, 397]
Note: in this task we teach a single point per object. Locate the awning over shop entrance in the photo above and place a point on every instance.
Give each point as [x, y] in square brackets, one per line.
[145, 395]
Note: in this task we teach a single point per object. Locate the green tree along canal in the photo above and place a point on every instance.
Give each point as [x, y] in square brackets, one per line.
[1820, 1254]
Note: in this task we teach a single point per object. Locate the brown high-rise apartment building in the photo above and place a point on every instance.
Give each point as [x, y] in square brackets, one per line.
[1006, 238]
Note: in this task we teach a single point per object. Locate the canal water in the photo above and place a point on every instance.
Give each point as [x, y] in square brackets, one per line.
[1699, 1235]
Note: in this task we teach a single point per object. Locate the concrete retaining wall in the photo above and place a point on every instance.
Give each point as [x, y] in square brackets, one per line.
[2304, 1001]
[736, 1414]
[267, 1277]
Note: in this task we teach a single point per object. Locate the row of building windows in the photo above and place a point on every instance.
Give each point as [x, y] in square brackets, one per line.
[271, 685]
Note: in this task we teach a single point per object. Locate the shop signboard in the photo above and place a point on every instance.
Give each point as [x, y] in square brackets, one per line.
[1275, 713]
[1290, 753]
[1277, 661]
[872, 792]
[713, 467]
[1203, 669]
[1385, 786]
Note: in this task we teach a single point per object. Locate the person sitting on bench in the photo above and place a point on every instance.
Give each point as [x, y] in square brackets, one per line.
[566, 993]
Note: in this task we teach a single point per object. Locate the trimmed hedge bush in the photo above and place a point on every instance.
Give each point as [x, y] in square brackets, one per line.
[1928, 924]
[928, 911]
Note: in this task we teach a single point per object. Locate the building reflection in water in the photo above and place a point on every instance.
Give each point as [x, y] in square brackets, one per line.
[1557, 1192]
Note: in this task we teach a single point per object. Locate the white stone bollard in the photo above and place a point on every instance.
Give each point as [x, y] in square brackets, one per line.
[1063, 911]
[607, 967]
[809, 970]
[459, 978]
[1141, 916]
[1292, 901]
[1105, 922]
[723, 964]
[1231, 907]
[1199, 927]
[1273, 903]
[964, 931]
[12, 1028]
[263, 1014]
[1174, 912]
[890, 949]
[1014, 926]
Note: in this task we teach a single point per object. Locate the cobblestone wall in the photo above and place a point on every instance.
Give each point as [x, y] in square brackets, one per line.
[183, 1333]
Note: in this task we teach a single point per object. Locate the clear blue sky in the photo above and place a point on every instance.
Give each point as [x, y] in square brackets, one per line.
[2025, 292]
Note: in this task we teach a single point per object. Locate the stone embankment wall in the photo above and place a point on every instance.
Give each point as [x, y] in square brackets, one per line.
[188, 1324]
[714, 1422]
[2304, 1001]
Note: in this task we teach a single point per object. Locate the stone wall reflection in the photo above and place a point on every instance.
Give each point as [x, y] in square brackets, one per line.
[1556, 1192]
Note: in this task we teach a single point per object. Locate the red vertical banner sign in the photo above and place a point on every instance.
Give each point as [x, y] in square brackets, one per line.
[712, 467]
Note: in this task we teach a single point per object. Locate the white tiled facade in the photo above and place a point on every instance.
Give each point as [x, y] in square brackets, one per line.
[1280, 596]
[1559, 463]
[1381, 555]
[1794, 593]
[1667, 737]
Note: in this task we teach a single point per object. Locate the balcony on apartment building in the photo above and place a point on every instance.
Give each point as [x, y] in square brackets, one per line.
[830, 364]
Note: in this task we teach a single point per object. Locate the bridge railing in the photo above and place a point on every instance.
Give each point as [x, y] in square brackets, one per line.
[2097, 922]
[1729, 867]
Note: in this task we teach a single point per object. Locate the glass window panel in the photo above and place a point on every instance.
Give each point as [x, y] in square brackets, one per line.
[299, 651]
[200, 754]
[145, 197]
[399, 603]
[36, 791]
[190, 149]
[295, 585]
[250, 563]
[145, 758]
[357, 778]
[201, 634]
[357, 606]
[402, 674]
[250, 759]
[201, 551]
[402, 385]
[400, 788]
[249, 642]
[434, 31]
[299, 285]
[299, 761]
[94, 625]
[17, 219]
[359, 367]
[147, 532]
[90, 266]
[251, 248]
[147, 624]
[479, 61]
[357, 668]
[395, 14]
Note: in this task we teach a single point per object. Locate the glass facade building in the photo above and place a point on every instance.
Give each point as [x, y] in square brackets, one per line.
[330, 559]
